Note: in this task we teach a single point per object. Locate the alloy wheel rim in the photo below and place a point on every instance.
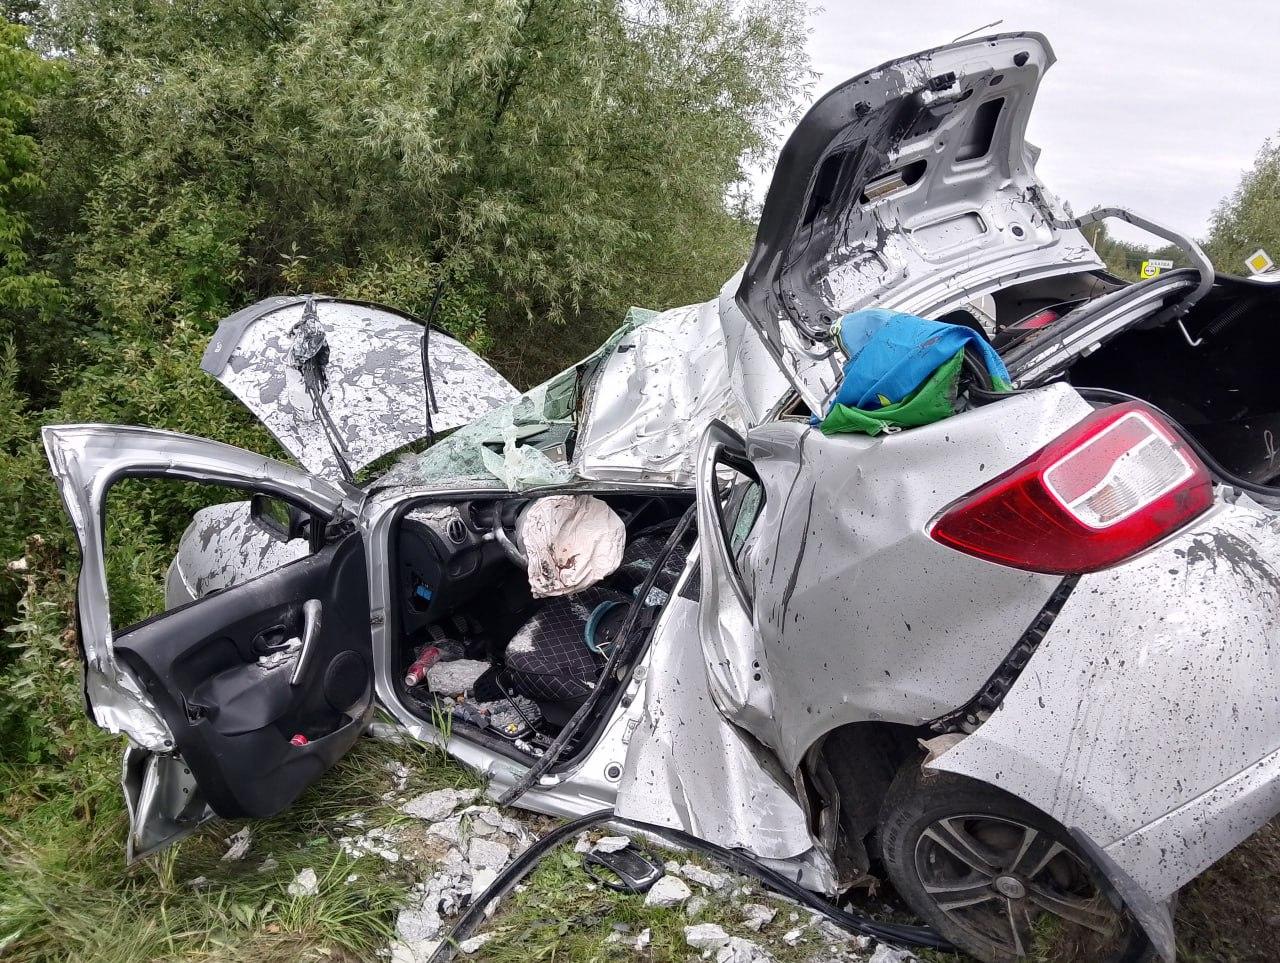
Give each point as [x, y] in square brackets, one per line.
[1003, 881]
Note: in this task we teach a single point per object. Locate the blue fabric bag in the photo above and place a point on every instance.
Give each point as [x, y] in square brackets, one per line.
[892, 354]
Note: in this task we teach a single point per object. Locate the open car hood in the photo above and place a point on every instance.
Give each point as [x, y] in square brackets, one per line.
[372, 384]
[908, 187]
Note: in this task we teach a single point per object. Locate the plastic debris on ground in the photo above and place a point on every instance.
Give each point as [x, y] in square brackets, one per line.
[902, 371]
[237, 845]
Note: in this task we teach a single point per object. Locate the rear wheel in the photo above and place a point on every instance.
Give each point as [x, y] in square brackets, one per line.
[997, 877]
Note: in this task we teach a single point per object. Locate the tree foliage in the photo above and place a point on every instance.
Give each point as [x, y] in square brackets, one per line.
[543, 163]
[549, 161]
[1249, 218]
[27, 292]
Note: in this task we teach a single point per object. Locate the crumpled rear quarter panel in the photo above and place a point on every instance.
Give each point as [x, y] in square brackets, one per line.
[1149, 717]
[858, 614]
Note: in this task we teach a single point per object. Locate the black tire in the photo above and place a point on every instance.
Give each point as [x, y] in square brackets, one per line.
[981, 867]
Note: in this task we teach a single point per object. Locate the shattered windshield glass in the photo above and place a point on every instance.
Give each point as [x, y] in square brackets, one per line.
[525, 444]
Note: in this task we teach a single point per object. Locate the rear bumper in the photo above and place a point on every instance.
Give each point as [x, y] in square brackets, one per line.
[1199, 832]
[1148, 720]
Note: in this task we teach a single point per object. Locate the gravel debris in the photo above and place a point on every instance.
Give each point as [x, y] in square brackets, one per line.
[379, 841]
[887, 954]
[418, 951]
[757, 915]
[706, 936]
[611, 844]
[432, 806]
[668, 891]
[740, 950]
[704, 877]
[449, 830]
[455, 677]
[237, 845]
[473, 944]
[487, 854]
[399, 775]
[304, 884]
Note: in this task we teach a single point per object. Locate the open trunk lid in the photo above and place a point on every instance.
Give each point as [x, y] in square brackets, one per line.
[909, 187]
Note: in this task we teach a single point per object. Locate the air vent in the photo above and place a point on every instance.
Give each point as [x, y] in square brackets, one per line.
[456, 531]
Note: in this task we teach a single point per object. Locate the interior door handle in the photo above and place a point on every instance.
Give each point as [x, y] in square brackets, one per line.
[311, 620]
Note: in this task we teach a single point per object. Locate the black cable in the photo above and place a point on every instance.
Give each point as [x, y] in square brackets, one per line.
[519, 868]
[976, 368]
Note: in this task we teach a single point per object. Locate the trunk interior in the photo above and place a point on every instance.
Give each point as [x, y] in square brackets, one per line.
[1225, 391]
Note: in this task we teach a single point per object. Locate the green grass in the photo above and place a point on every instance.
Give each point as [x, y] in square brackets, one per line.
[560, 915]
[65, 893]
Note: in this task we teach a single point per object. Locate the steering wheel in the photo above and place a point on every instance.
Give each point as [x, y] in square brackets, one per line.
[505, 539]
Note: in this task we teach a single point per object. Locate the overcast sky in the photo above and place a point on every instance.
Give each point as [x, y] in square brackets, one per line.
[1154, 106]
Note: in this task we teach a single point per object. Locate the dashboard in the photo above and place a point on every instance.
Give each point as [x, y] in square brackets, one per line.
[445, 554]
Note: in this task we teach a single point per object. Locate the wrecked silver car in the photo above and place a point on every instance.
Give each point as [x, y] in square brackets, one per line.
[1023, 659]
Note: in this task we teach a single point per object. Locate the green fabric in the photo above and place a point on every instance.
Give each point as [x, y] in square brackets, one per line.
[932, 401]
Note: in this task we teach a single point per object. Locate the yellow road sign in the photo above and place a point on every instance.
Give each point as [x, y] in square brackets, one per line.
[1259, 262]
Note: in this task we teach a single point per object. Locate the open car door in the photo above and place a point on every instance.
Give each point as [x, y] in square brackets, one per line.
[236, 702]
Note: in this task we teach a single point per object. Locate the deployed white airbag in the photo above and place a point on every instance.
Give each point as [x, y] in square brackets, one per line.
[571, 543]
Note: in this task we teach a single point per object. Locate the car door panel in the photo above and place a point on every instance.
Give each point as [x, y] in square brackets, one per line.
[213, 693]
[233, 718]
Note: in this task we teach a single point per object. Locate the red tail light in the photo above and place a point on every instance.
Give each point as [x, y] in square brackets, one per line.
[1112, 486]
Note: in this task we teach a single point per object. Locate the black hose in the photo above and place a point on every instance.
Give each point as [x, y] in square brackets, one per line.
[976, 368]
[519, 868]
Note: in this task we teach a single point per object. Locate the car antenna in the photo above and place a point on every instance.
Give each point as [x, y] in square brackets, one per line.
[429, 388]
[309, 353]
[985, 26]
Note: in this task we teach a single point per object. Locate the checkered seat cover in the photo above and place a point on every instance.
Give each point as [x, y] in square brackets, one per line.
[548, 659]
